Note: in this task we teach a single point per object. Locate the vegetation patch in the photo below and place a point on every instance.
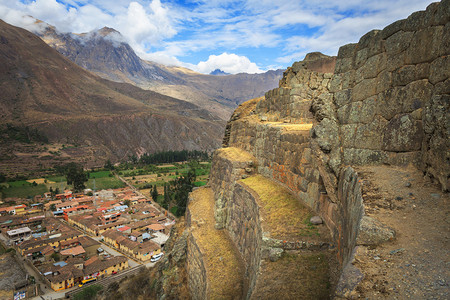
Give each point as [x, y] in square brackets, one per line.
[235, 154]
[22, 189]
[296, 275]
[284, 216]
[292, 127]
[21, 133]
[88, 293]
[105, 183]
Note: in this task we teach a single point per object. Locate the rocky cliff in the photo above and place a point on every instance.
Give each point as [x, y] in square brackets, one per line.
[335, 140]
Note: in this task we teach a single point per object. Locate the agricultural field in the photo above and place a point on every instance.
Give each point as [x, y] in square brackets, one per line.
[144, 178]
[38, 186]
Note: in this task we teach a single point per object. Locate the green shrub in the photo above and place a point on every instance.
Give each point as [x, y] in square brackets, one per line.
[88, 292]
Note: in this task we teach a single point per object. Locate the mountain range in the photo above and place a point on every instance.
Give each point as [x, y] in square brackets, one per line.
[105, 53]
[45, 91]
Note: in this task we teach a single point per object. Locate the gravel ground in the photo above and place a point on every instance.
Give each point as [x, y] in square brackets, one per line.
[416, 264]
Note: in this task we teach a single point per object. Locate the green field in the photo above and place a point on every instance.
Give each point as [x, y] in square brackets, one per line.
[106, 180]
[100, 174]
[105, 183]
[23, 189]
[56, 178]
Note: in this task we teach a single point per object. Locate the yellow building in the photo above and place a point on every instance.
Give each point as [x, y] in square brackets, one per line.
[70, 275]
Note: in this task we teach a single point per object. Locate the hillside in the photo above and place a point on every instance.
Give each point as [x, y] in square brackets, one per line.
[335, 185]
[44, 90]
[105, 53]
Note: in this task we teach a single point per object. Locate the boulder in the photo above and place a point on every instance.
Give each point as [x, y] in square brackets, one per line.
[373, 232]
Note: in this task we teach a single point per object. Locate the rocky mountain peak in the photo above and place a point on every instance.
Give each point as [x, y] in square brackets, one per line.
[218, 72]
[105, 31]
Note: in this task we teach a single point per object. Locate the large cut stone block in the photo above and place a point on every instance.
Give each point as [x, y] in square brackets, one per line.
[402, 134]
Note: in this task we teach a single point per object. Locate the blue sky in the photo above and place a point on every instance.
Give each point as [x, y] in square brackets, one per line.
[233, 35]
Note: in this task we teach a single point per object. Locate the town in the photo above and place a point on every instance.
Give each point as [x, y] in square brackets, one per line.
[72, 239]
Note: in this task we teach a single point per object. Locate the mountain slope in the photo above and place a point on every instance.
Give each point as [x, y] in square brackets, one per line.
[44, 90]
[105, 53]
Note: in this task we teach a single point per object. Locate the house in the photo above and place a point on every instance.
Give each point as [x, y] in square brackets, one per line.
[65, 205]
[160, 238]
[19, 234]
[69, 244]
[76, 210]
[156, 228]
[77, 251]
[65, 275]
[124, 229]
[146, 250]
[13, 210]
[105, 195]
[140, 250]
[90, 245]
[55, 202]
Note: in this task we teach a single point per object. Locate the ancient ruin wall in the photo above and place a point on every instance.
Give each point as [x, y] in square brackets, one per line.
[228, 166]
[387, 102]
[196, 270]
[245, 231]
[391, 94]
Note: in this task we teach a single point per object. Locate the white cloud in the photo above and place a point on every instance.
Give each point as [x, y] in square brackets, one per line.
[229, 63]
[142, 26]
[161, 57]
[165, 31]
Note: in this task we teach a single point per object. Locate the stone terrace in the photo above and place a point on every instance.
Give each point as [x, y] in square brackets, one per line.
[217, 255]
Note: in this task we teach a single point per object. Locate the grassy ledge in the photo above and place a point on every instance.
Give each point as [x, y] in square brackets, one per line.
[283, 215]
[221, 260]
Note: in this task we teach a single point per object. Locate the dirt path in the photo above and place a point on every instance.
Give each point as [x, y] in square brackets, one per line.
[416, 265]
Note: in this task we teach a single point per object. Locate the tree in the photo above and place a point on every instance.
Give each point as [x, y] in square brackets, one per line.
[154, 193]
[76, 176]
[127, 203]
[55, 256]
[109, 165]
[166, 200]
[52, 207]
[182, 186]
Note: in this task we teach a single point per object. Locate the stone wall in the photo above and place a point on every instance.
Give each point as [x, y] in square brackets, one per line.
[387, 102]
[390, 93]
[245, 231]
[196, 270]
[300, 84]
[236, 209]
[228, 166]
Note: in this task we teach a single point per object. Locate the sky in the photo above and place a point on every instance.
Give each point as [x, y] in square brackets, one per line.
[250, 36]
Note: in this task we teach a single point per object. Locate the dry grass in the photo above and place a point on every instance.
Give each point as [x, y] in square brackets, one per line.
[292, 127]
[284, 216]
[40, 181]
[235, 154]
[221, 260]
[295, 276]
